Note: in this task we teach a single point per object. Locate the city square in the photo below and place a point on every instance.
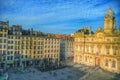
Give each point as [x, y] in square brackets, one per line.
[76, 72]
[59, 40]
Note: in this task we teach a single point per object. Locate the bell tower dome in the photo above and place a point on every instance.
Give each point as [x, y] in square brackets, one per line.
[109, 22]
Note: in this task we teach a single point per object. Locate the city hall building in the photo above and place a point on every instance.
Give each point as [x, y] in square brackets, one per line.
[101, 48]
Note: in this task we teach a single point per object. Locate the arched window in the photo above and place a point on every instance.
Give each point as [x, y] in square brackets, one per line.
[113, 64]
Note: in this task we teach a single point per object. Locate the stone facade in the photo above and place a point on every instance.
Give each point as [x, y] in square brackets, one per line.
[101, 48]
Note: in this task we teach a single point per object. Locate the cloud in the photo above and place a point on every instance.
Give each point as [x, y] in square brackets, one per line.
[56, 13]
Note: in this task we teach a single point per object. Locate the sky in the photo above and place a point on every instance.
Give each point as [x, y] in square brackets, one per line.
[58, 16]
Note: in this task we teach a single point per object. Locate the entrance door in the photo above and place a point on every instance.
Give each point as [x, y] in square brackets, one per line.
[97, 61]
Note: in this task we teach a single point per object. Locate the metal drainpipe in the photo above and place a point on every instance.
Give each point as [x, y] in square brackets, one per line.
[84, 45]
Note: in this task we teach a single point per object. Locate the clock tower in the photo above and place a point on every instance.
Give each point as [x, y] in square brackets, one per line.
[109, 22]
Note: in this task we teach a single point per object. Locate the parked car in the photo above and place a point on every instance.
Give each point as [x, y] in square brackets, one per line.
[3, 75]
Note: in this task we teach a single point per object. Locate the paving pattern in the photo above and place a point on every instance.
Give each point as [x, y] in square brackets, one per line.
[76, 72]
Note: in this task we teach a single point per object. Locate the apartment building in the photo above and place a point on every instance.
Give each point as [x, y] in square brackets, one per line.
[66, 48]
[22, 48]
[3, 42]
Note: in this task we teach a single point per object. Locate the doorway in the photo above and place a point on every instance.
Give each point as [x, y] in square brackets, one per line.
[97, 61]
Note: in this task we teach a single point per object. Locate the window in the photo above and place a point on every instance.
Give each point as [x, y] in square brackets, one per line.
[8, 58]
[92, 39]
[9, 37]
[42, 43]
[11, 52]
[34, 52]
[51, 46]
[11, 42]
[80, 58]
[41, 51]
[107, 51]
[34, 43]
[4, 46]
[8, 47]
[26, 56]
[11, 47]
[0, 35]
[0, 40]
[113, 64]
[0, 51]
[0, 46]
[38, 56]
[48, 51]
[92, 49]
[4, 40]
[19, 43]
[12, 37]
[114, 52]
[22, 56]
[45, 51]
[34, 47]
[16, 47]
[15, 42]
[5, 35]
[8, 42]
[107, 39]
[49, 42]
[86, 58]
[8, 52]
[38, 43]
[87, 49]
[48, 46]
[45, 42]
[4, 52]
[51, 50]
[18, 37]
[99, 51]
[11, 57]
[106, 62]
[38, 47]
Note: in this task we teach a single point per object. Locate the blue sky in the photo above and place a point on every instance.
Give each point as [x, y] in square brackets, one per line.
[58, 16]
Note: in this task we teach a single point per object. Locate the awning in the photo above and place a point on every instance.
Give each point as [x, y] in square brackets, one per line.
[10, 62]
